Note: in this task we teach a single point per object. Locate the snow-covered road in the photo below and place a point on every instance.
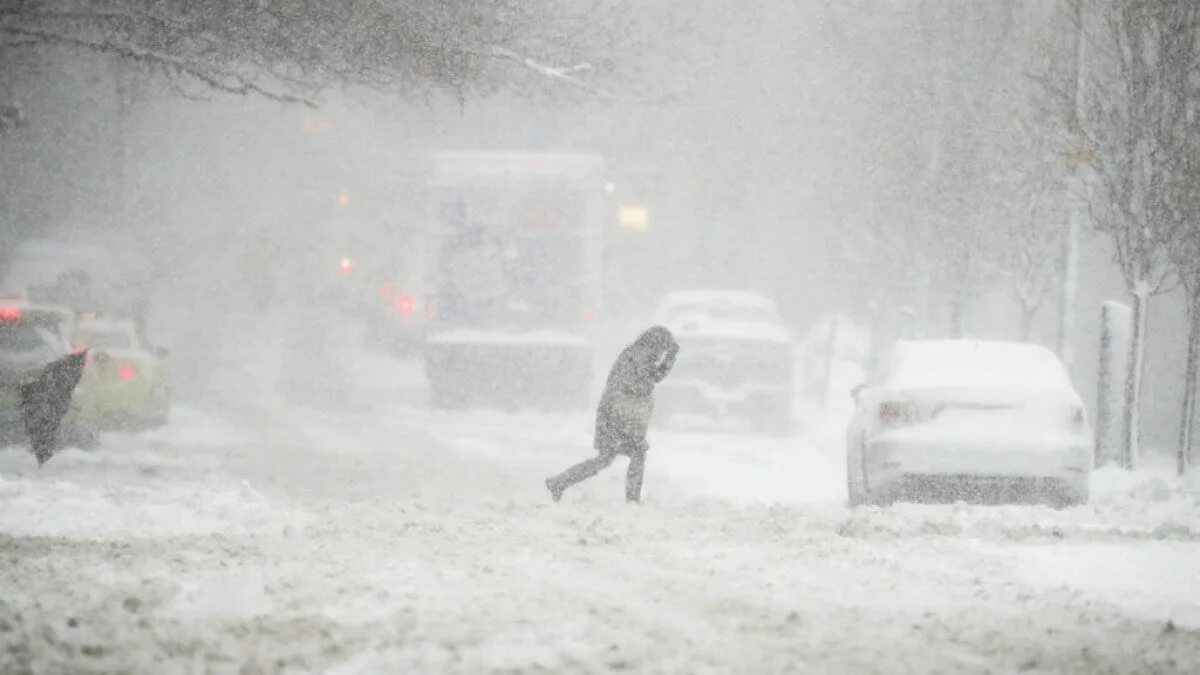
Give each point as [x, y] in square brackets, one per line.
[385, 538]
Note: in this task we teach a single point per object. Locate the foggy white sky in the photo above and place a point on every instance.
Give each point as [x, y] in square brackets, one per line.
[796, 148]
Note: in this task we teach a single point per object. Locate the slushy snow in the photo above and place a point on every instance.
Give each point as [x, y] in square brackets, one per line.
[284, 538]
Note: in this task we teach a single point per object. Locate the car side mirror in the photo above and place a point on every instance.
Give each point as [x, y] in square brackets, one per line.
[856, 390]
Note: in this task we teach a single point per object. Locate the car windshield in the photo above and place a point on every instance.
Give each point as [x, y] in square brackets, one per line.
[109, 339]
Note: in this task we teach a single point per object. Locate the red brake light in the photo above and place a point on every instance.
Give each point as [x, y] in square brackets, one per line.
[385, 291]
[346, 266]
[10, 313]
[589, 316]
[404, 304]
[127, 371]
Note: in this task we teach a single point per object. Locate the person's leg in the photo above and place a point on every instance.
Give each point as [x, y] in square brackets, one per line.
[634, 475]
[578, 473]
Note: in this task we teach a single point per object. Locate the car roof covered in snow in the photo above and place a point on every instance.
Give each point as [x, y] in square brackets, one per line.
[925, 364]
[722, 315]
[715, 298]
[105, 325]
[699, 326]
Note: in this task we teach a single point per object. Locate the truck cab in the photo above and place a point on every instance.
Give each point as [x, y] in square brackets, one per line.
[514, 281]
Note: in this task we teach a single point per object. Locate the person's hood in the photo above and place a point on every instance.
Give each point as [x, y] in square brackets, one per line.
[654, 341]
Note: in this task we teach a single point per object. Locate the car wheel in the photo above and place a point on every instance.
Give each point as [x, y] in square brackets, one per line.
[84, 439]
[444, 397]
[884, 500]
[1067, 499]
[158, 421]
[854, 496]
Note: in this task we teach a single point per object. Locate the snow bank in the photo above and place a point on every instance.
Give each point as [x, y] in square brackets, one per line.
[418, 556]
[189, 427]
[116, 509]
[1124, 506]
[169, 482]
[1155, 580]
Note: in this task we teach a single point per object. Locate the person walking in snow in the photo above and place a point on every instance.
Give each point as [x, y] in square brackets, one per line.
[623, 417]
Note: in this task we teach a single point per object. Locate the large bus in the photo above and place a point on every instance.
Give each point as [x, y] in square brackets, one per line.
[514, 278]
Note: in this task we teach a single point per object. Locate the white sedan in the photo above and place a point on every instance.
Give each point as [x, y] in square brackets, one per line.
[977, 421]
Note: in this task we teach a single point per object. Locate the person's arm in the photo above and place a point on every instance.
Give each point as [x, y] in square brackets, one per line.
[660, 370]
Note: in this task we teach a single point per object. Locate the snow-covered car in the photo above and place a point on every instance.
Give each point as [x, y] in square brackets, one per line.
[977, 421]
[32, 336]
[129, 380]
[735, 358]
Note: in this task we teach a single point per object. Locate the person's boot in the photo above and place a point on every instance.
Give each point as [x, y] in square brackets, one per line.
[633, 478]
[556, 489]
[633, 491]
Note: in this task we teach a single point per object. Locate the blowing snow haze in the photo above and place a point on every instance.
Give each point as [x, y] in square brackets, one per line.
[351, 278]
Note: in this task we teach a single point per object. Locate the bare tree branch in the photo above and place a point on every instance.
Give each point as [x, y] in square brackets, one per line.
[291, 50]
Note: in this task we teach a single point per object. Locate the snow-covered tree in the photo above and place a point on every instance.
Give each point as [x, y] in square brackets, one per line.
[1180, 165]
[1136, 96]
[1029, 176]
[1031, 230]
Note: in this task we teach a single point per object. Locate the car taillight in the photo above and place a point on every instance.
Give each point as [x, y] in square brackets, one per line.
[385, 292]
[346, 266]
[589, 315]
[10, 313]
[896, 413]
[127, 371]
[404, 304]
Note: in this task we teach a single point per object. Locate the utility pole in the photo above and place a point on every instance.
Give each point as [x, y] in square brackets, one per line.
[1078, 159]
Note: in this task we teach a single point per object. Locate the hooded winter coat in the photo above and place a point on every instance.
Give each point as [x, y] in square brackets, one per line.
[623, 417]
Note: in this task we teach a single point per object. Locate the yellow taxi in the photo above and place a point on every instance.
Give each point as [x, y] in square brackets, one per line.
[129, 380]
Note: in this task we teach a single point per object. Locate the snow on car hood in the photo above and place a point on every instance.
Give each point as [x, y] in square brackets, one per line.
[703, 326]
[516, 337]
